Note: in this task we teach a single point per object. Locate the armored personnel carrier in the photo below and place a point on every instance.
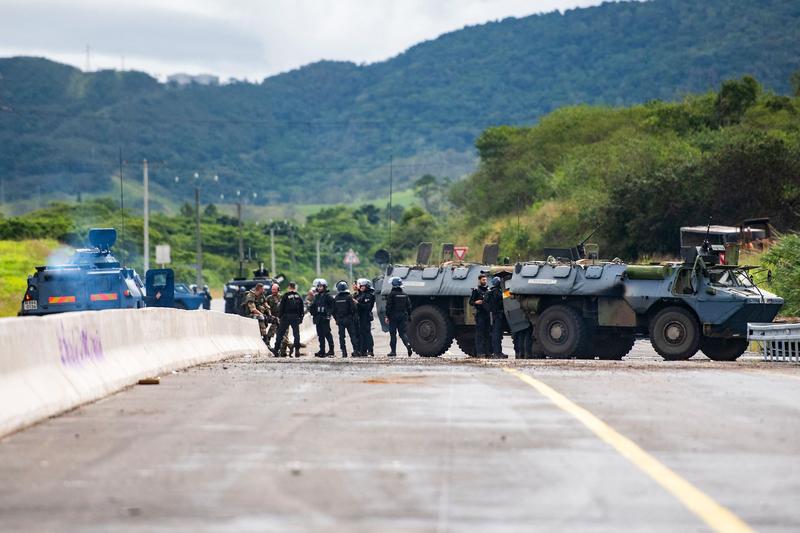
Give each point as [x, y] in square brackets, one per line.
[585, 308]
[92, 280]
[439, 297]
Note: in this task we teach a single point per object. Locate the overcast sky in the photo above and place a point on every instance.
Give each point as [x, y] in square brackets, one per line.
[242, 38]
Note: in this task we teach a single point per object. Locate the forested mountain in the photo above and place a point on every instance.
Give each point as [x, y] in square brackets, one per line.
[328, 131]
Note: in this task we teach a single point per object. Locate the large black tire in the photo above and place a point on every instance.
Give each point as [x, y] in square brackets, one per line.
[613, 346]
[430, 331]
[675, 334]
[562, 332]
[723, 349]
[465, 339]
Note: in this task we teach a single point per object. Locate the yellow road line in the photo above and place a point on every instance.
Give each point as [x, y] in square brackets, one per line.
[715, 515]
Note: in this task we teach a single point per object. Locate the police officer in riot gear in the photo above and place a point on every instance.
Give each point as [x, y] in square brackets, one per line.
[398, 309]
[482, 319]
[365, 301]
[345, 314]
[290, 311]
[494, 304]
[321, 312]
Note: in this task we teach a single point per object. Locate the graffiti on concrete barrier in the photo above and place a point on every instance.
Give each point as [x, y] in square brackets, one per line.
[78, 345]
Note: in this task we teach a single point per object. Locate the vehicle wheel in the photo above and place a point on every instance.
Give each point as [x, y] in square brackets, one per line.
[431, 331]
[466, 341]
[675, 334]
[723, 349]
[180, 305]
[613, 346]
[562, 332]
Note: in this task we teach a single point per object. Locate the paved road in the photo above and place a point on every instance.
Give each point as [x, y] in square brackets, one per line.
[449, 444]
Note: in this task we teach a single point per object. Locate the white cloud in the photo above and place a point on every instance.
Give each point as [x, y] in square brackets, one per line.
[246, 38]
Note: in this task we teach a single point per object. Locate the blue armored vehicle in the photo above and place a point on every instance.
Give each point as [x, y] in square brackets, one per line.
[92, 280]
[585, 308]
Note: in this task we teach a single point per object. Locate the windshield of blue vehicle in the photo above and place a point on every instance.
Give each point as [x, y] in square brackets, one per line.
[729, 278]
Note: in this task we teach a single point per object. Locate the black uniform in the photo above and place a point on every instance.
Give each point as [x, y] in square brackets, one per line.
[523, 343]
[365, 301]
[494, 304]
[398, 309]
[346, 314]
[290, 311]
[321, 312]
[482, 320]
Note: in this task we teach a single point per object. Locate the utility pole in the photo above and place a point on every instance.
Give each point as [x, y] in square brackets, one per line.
[146, 216]
[391, 184]
[272, 248]
[199, 258]
[241, 239]
[319, 270]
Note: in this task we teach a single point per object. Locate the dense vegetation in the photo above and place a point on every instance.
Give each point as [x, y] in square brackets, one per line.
[19, 258]
[784, 262]
[636, 174]
[339, 228]
[328, 131]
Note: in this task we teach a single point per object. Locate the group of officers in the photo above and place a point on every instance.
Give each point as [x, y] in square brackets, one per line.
[277, 314]
[353, 314]
[490, 322]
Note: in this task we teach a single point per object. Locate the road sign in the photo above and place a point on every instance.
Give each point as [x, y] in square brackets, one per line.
[460, 252]
[351, 258]
[163, 254]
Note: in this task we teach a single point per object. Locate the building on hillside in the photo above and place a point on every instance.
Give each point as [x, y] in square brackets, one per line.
[200, 79]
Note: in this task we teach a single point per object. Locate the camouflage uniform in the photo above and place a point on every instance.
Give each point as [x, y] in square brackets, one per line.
[256, 304]
[273, 301]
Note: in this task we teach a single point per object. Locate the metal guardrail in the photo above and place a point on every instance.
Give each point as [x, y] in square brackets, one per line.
[778, 342]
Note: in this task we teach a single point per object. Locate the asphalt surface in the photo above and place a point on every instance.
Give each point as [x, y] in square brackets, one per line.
[450, 444]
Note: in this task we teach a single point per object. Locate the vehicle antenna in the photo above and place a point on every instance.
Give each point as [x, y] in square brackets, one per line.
[121, 204]
[708, 233]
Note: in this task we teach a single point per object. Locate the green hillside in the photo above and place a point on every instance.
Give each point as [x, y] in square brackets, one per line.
[327, 132]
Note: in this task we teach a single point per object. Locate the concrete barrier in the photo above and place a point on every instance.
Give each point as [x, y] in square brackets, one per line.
[52, 364]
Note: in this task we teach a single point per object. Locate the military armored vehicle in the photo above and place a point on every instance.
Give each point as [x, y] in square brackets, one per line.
[439, 297]
[236, 288]
[585, 308]
[92, 280]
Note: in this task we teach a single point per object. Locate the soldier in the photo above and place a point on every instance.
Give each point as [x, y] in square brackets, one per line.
[274, 299]
[482, 320]
[365, 301]
[321, 311]
[494, 304]
[345, 313]
[290, 311]
[255, 306]
[398, 308]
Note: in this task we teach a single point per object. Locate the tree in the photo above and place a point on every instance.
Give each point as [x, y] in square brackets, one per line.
[211, 211]
[187, 210]
[424, 189]
[795, 81]
[734, 98]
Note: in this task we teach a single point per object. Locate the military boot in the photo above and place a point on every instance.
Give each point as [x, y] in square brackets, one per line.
[297, 351]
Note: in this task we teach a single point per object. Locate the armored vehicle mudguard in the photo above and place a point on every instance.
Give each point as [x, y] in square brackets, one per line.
[92, 280]
[586, 310]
